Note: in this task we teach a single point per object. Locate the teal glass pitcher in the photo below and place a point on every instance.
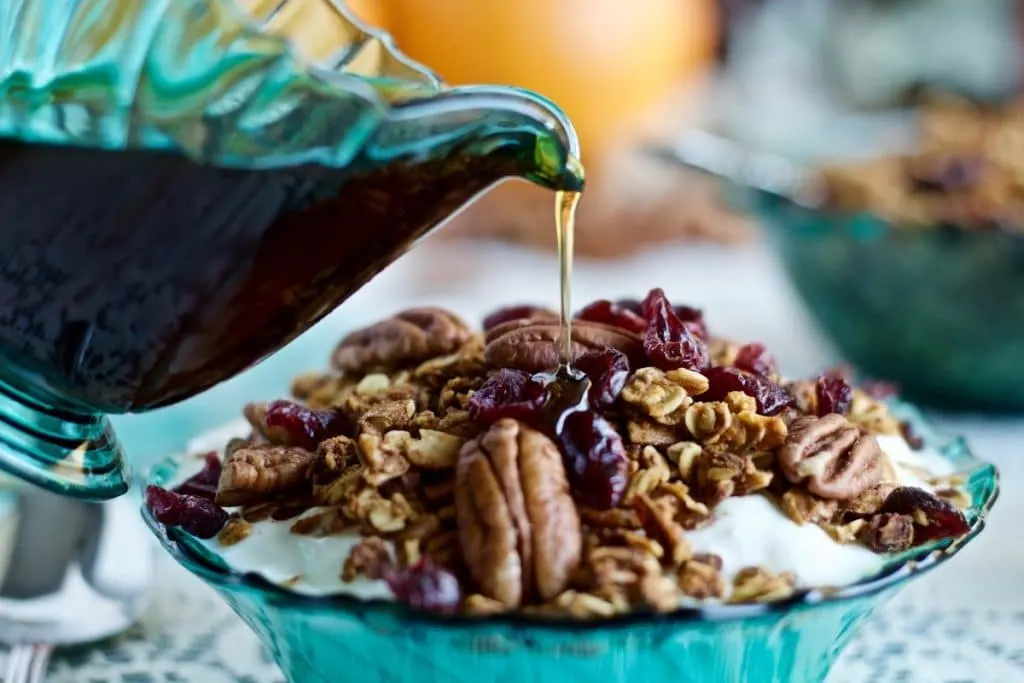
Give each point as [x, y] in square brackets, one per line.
[183, 191]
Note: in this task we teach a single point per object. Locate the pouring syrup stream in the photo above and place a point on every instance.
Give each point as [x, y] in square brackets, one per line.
[565, 226]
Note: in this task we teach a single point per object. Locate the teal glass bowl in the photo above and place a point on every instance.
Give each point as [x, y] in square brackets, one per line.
[938, 311]
[327, 640]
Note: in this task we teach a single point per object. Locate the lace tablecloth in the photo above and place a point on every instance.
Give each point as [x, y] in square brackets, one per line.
[961, 624]
[190, 636]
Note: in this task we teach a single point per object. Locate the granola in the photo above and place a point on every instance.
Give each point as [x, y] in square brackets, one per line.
[434, 446]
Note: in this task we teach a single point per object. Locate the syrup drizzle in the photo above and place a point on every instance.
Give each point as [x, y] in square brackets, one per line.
[565, 226]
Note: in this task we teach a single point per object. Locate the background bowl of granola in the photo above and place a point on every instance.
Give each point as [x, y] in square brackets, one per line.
[485, 554]
[913, 263]
[937, 311]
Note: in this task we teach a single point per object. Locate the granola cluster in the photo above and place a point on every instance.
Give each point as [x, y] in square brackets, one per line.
[966, 172]
[482, 488]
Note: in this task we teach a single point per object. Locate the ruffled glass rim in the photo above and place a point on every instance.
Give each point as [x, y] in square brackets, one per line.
[982, 482]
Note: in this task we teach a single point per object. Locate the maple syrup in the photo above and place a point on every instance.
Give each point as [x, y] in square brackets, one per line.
[565, 227]
[135, 279]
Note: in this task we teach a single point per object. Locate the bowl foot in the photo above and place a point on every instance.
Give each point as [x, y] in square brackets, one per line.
[67, 452]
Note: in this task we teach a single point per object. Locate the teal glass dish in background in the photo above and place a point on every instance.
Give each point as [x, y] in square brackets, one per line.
[325, 640]
[939, 311]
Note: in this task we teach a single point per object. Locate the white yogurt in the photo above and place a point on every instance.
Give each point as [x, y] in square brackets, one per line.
[746, 531]
[307, 565]
[751, 531]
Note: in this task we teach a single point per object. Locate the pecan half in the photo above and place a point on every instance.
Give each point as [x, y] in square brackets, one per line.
[411, 336]
[252, 475]
[535, 347]
[519, 530]
[539, 315]
[837, 459]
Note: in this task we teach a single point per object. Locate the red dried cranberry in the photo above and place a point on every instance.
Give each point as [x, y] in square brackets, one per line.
[606, 312]
[509, 313]
[944, 519]
[668, 343]
[692, 319]
[913, 439]
[771, 398]
[833, 394]
[426, 586]
[198, 516]
[755, 358]
[508, 393]
[607, 371]
[203, 483]
[306, 427]
[594, 458]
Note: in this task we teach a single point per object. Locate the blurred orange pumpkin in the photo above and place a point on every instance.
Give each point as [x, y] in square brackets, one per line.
[603, 61]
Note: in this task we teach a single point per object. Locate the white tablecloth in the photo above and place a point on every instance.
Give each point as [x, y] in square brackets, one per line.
[961, 624]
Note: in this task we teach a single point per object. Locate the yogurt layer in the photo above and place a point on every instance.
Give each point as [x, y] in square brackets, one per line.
[746, 531]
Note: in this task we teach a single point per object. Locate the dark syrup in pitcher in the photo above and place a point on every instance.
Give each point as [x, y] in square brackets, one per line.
[135, 279]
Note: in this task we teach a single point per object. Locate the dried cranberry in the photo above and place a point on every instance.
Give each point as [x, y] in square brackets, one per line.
[944, 520]
[607, 371]
[509, 393]
[668, 343]
[913, 439]
[196, 515]
[692, 319]
[595, 459]
[771, 398]
[204, 483]
[426, 586]
[833, 395]
[509, 313]
[605, 311]
[305, 427]
[755, 358]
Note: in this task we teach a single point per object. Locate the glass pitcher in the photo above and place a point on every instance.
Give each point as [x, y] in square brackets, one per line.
[184, 190]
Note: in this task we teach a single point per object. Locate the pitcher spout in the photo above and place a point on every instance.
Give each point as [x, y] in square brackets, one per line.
[503, 131]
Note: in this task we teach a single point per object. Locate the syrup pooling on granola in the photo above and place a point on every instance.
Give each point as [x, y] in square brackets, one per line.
[471, 474]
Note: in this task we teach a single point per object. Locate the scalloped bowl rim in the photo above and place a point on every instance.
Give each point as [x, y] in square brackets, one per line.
[899, 570]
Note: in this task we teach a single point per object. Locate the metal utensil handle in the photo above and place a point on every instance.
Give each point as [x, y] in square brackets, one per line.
[710, 153]
[27, 663]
